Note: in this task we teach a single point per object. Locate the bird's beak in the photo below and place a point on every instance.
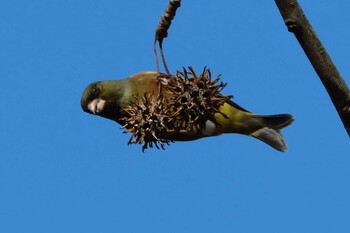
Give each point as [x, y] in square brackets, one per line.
[96, 106]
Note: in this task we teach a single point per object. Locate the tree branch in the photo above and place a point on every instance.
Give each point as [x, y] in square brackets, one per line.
[336, 87]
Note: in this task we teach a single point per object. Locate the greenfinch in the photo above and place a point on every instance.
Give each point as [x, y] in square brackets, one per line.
[108, 99]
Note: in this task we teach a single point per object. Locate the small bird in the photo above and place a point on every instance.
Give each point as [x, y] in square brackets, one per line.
[108, 99]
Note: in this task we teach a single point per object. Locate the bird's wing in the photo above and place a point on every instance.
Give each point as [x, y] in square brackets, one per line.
[230, 102]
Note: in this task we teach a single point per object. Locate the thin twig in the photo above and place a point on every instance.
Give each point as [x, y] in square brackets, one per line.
[162, 30]
[336, 87]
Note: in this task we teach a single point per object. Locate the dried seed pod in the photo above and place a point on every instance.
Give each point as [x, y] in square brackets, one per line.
[195, 98]
[185, 103]
[146, 121]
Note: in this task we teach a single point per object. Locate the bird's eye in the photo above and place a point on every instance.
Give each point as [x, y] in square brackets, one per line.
[95, 91]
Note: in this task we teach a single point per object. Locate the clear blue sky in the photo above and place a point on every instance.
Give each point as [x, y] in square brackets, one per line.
[62, 170]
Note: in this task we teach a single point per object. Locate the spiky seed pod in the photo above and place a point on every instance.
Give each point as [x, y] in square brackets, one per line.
[185, 102]
[146, 121]
[194, 99]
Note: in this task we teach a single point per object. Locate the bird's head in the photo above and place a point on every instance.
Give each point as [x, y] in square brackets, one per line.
[103, 98]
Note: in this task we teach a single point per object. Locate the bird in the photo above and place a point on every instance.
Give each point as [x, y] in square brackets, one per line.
[108, 98]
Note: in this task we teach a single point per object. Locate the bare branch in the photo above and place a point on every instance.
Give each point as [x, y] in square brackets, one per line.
[336, 87]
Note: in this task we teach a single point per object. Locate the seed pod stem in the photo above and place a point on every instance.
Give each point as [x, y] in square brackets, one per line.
[162, 31]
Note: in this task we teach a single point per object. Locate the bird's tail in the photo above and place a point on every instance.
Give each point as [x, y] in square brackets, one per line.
[270, 133]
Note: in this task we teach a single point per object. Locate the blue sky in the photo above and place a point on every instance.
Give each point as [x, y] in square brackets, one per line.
[62, 170]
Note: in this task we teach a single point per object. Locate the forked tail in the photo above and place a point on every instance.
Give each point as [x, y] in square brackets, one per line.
[270, 133]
